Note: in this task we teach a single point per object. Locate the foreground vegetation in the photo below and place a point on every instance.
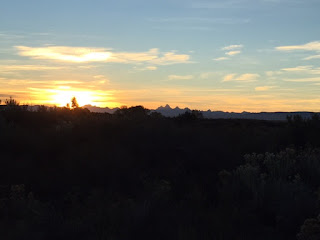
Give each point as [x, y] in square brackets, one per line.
[67, 173]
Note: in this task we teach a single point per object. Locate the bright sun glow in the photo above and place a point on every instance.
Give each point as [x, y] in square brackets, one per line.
[63, 97]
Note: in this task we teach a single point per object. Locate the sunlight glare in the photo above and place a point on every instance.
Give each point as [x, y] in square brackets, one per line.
[62, 98]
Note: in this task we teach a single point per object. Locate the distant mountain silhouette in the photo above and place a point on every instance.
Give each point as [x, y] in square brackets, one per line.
[167, 111]
[100, 110]
[174, 112]
[171, 112]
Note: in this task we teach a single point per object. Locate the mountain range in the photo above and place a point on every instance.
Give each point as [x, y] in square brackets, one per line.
[173, 112]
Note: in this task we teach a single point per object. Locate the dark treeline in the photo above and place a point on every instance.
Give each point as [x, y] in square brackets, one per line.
[68, 173]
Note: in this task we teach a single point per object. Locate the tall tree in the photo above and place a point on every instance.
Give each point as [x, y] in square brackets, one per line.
[74, 103]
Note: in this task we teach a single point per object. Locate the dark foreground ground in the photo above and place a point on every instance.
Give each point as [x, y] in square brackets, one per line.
[72, 174]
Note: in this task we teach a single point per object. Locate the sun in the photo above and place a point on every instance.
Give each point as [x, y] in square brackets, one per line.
[63, 97]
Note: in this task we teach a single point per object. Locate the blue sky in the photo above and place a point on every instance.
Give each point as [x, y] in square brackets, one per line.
[239, 55]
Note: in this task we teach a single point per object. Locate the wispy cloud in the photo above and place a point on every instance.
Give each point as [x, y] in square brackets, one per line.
[263, 88]
[303, 69]
[10, 68]
[232, 53]
[207, 75]
[247, 77]
[139, 68]
[315, 79]
[82, 54]
[180, 77]
[311, 46]
[297, 69]
[230, 50]
[68, 54]
[312, 57]
[169, 58]
[152, 68]
[100, 79]
[220, 59]
[229, 77]
[272, 74]
[232, 47]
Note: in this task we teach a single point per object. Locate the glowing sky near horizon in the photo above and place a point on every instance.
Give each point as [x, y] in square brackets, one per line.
[231, 55]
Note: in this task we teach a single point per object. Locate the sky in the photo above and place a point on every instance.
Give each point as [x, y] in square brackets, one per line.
[230, 55]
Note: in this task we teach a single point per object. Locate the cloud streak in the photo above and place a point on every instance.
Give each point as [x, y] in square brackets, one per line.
[180, 77]
[232, 47]
[302, 69]
[82, 54]
[220, 59]
[10, 68]
[67, 54]
[311, 46]
[247, 77]
[263, 88]
[231, 51]
[312, 57]
[315, 79]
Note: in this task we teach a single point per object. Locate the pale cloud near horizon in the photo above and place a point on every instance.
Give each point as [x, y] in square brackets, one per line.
[83, 54]
[180, 77]
[247, 77]
[222, 99]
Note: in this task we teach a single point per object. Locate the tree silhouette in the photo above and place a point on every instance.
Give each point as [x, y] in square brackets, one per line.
[190, 115]
[11, 102]
[136, 112]
[74, 103]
